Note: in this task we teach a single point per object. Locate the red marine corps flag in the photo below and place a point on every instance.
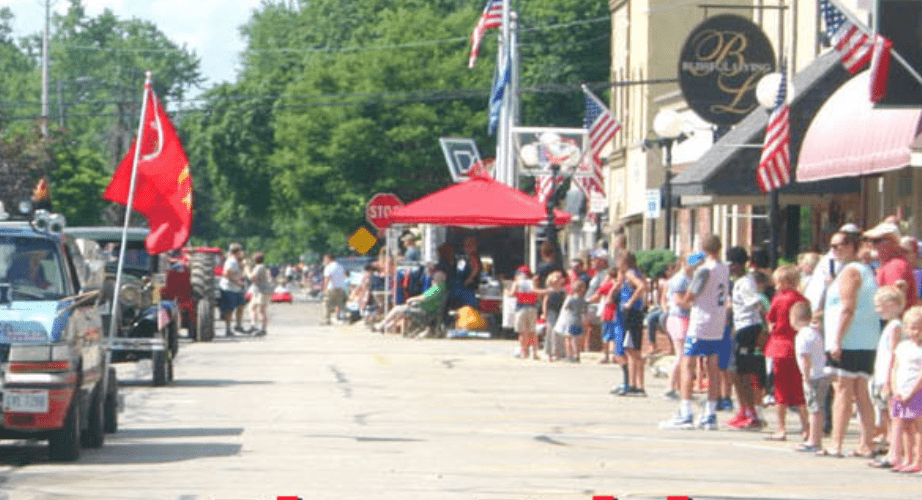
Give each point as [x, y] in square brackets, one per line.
[154, 179]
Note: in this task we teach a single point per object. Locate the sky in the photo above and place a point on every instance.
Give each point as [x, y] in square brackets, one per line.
[208, 27]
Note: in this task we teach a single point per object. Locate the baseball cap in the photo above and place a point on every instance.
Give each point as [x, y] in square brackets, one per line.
[696, 258]
[524, 270]
[884, 230]
[849, 228]
[600, 254]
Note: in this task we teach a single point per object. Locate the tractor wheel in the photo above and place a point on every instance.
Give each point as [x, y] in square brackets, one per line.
[204, 320]
[201, 275]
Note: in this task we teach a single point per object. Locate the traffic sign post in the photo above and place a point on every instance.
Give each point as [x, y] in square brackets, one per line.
[378, 209]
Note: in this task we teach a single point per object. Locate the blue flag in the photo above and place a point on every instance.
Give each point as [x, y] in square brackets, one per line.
[500, 82]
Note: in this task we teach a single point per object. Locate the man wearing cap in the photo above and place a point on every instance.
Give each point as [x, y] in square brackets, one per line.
[411, 253]
[334, 287]
[893, 265]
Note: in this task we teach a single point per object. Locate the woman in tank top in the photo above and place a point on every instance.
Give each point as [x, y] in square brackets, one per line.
[851, 331]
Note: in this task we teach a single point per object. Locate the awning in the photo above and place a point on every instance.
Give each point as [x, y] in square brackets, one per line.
[726, 173]
[848, 137]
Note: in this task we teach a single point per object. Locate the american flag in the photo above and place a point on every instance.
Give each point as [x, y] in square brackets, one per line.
[492, 17]
[853, 44]
[602, 128]
[775, 165]
[500, 82]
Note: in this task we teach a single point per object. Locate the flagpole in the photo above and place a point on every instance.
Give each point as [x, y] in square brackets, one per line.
[893, 53]
[512, 96]
[113, 320]
[503, 132]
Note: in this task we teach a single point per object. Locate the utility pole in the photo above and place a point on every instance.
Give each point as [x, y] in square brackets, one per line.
[45, 54]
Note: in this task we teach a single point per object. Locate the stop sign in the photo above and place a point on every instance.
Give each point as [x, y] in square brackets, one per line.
[379, 207]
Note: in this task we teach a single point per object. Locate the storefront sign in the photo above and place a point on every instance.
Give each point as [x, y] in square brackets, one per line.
[720, 65]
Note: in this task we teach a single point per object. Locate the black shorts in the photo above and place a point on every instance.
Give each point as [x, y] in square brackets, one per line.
[633, 327]
[854, 363]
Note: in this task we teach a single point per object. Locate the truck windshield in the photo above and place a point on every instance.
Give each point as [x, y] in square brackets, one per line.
[33, 267]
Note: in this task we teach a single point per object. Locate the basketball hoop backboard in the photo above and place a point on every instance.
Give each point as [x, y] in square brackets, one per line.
[461, 155]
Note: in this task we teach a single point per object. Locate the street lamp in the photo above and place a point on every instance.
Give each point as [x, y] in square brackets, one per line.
[668, 127]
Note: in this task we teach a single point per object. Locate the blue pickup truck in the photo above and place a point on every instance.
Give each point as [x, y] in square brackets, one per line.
[55, 382]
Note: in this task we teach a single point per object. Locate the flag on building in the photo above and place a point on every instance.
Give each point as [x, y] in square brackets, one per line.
[880, 67]
[492, 17]
[602, 127]
[853, 44]
[775, 165]
[500, 82]
[163, 189]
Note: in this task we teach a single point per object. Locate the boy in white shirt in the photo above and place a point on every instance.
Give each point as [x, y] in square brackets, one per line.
[811, 359]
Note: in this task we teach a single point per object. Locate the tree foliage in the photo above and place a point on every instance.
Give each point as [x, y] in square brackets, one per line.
[339, 100]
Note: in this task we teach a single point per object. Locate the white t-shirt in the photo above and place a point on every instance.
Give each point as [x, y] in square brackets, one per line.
[810, 342]
[882, 358]
[336, 275]
[708, 316]
[909, 367]
[232, 267]
[747, 305]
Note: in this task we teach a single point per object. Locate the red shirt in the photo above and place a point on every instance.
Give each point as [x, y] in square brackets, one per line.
[781, 339]
[897, 269]
[609, 309]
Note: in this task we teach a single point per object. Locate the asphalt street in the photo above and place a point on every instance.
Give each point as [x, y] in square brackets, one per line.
[339, 412]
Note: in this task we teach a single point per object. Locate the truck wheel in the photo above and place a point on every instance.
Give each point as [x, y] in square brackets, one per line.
[64, 443]
[95, 434]
[204, 319]
[110, 408]
[162, 365]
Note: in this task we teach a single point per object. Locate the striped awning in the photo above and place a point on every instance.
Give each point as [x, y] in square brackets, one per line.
[849, 138]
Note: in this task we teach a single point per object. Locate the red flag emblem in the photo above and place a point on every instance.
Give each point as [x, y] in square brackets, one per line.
[163, 189]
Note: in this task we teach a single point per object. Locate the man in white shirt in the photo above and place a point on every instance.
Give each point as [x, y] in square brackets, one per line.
[708, 298]
[334, 287]
[231, 285]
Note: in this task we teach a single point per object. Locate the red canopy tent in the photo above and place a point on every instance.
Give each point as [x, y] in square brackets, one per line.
[477, 202]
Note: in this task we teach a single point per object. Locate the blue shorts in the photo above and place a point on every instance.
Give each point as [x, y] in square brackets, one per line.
[726, 349]
[575, 330]
[608, 331]
[231, 300]
[695, 347]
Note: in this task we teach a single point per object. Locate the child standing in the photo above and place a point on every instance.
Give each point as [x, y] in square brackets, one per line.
[526, 311]
[906, 385]
[811, 359]
[572, 319]
[889, 302]
[789, 389]
[553, 301]
[607, 297]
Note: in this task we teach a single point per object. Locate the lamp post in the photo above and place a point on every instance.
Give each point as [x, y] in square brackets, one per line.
[668, 127]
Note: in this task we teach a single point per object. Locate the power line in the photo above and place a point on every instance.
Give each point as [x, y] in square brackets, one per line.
[337, 100]
[308, 50]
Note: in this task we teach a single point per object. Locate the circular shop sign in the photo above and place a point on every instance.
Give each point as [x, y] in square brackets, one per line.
[720, 66]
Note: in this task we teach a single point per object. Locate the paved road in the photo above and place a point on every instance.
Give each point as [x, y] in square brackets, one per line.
[342, 413]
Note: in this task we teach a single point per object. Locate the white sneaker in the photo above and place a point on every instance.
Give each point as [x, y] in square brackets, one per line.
[679, 422]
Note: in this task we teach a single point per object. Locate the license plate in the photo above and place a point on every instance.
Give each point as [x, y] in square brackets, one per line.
[23, 401]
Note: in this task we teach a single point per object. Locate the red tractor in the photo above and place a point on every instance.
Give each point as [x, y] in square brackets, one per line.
[192, 282]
